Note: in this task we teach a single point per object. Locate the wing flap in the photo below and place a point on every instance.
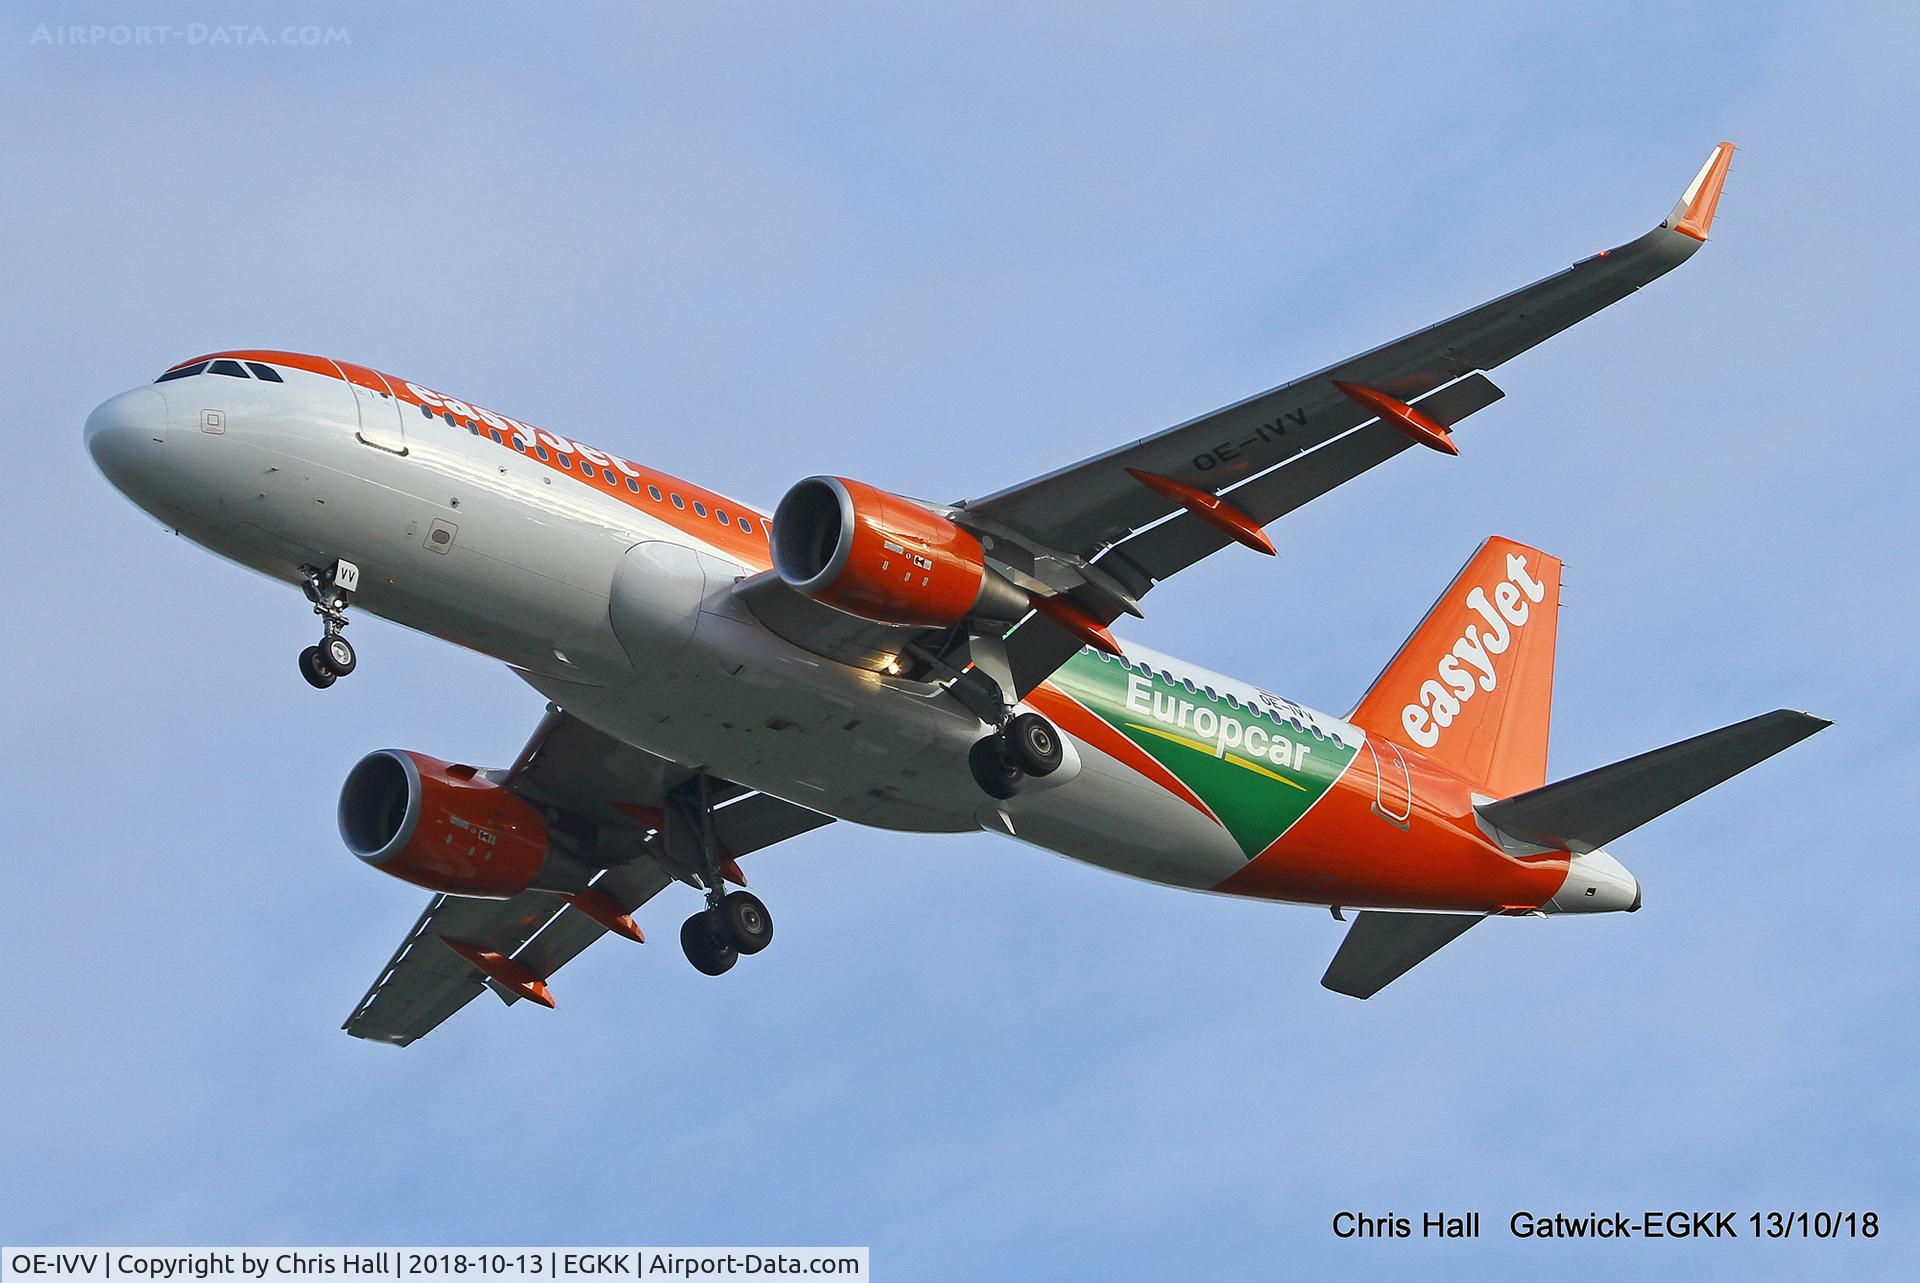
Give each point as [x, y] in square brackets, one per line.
[425, 982]
[1164, 550]
[1037, 647]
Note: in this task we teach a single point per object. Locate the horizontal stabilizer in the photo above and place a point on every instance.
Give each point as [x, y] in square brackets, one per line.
[1588, 811]
[1382, 947]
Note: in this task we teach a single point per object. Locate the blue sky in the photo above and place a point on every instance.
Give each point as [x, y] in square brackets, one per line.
[943, 251]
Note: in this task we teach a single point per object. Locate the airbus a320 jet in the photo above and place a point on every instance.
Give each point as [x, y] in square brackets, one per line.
[721, 678]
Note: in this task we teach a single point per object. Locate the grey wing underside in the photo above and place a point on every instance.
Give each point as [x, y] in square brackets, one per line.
[567, 764]
[1139, 539]
[1266, 455]
[1094, 504]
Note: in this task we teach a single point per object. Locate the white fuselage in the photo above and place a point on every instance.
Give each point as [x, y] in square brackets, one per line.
[623, 614]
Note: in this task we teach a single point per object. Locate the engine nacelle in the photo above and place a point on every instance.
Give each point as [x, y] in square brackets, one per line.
[441, 827]
[874, 554]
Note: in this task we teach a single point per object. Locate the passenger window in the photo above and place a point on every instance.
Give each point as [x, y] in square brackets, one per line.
[184, 371]
[586, 469]
[229, 368]
[566, 461]
[519, 445]
[746, 526]
[633, 485]
[699, 509]
[678, 502]
[542, 452]
[266, 372]
[497, 438]
[653, 493]
[448, 416]
[426, 409]
[720, 515]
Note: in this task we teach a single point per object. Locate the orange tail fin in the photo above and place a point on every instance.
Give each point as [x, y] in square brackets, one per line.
[1472, 688]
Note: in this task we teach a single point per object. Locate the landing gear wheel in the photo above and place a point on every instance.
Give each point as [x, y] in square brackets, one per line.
[329, 590]
[997, 776]
[1034, 745]
[337, 652]
[706, 947]
[315, 670]
[745, 922]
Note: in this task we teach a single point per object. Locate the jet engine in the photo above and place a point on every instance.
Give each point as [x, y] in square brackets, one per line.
[446, 828]
[877, 555]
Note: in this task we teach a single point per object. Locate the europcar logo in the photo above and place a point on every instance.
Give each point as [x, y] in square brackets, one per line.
[1467, 668]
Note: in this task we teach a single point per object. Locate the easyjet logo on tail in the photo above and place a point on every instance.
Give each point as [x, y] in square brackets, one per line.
[1467, 668]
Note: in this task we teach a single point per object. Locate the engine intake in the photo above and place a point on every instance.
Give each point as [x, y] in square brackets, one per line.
[442, 827]
[867, 552]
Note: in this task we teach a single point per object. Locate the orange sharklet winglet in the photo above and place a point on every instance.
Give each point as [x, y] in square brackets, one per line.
[602, 908]
[502, 970]
[1208, 507]
[1702, 197]
[1396, 413]
[1073, 617]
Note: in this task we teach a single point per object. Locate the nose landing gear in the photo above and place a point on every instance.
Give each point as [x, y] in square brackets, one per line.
[330, 591]
[1027, 747]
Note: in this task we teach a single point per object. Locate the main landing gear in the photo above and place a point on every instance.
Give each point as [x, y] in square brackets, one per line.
[329, 590]
[1027, 747]
[733, 923]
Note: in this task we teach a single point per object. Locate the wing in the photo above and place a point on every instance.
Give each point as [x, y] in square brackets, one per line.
[1140, 513]
[567, 764]
[1107, 529]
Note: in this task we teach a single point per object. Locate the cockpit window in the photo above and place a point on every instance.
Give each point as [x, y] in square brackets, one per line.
[229, 368]
[184, 371]
[266, 372]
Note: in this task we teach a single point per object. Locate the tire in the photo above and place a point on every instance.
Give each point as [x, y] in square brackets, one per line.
[1034, 745]
[336, 653]
[318, 675]
[745, 922]
[709, 953]
[995, 775]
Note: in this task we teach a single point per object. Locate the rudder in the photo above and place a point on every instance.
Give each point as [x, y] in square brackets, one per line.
[1472, 688]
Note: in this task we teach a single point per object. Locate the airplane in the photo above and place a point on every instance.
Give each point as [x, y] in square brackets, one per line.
[721, 679]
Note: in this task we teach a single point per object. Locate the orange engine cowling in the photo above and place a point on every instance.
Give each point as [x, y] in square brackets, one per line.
[874, 554]
[441, 827]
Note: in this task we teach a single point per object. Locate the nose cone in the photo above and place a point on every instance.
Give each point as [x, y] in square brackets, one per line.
[120, 432]
[1597, 883]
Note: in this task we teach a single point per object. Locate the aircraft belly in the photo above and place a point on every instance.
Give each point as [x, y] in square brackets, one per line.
[712, 688]
[1110, 816]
